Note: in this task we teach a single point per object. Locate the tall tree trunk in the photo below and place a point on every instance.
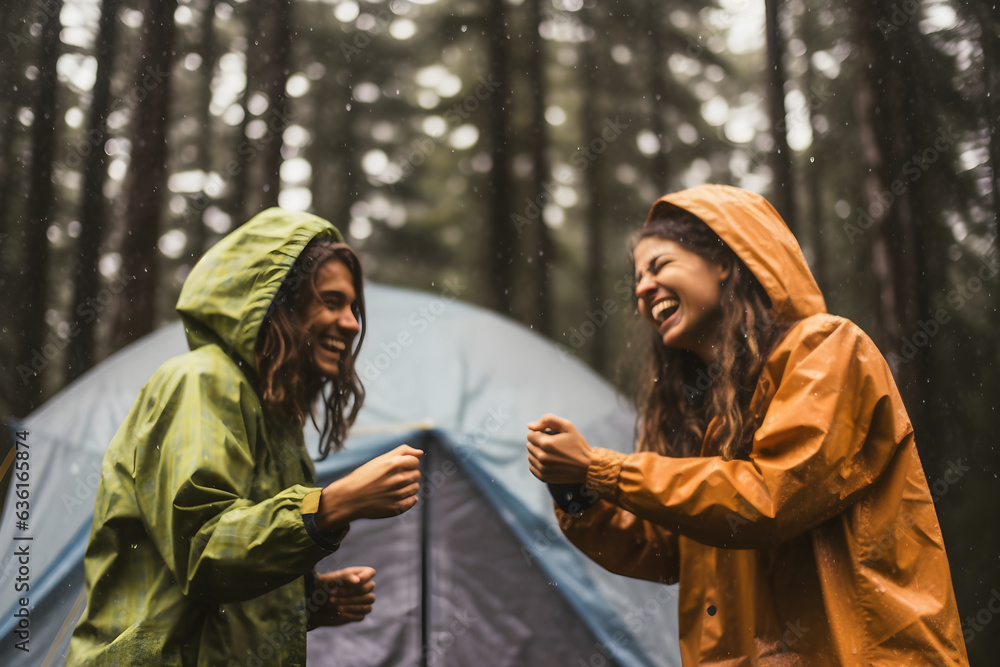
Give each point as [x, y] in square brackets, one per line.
[329, 152]
[781, 156]
[501, 239]
[874, 161]
[545, 255]
[238, 204]
[81, 352]
[33, 356]
[350, 177]
[990, 40]
[10, 171]
[659, 92]
[594, 262]
[990, 26]
[812, 227]
[275, 46]
[209, 51]
[134, 311]
[883, 98]
[20, 43]
[12, 25]
[8, 123]
[906, 92]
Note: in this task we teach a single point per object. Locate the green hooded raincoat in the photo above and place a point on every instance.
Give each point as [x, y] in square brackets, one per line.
[203, 540]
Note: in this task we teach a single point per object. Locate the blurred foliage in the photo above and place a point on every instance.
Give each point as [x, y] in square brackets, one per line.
[410, 122]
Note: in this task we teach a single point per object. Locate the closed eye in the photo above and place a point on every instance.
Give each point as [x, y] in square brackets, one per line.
[655, 266]
[335, 304]
[334, 301]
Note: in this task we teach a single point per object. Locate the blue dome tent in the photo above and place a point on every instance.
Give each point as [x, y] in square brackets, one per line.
[476, 574]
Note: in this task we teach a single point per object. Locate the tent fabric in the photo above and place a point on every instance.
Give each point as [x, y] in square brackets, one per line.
[485, 606]
[482, 543]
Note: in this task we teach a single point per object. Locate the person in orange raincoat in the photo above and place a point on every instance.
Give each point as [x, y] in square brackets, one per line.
[776, 476]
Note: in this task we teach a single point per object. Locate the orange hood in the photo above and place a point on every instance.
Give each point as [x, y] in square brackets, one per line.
[759, 237]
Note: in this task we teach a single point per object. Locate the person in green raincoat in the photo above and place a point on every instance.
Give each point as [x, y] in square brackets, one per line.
[208, 523]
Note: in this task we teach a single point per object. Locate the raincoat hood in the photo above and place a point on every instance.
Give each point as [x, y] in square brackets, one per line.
[759, 237]
[228, 292]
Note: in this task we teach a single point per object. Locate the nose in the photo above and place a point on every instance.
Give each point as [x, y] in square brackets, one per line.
[645, 285]
[348, 322]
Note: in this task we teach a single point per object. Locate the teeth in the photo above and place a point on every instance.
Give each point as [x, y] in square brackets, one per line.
[334, 343]
[665, 309]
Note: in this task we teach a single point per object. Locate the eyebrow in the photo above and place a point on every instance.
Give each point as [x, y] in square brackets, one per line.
[649, 266]
[324, 294]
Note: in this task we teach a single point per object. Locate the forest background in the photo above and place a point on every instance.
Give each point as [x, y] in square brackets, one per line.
[503, 151]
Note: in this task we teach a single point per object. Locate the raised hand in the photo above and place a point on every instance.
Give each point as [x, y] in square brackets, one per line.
[385, 486]
[557, 453]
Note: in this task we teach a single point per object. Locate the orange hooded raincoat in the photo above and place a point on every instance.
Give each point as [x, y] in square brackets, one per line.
[824, 547]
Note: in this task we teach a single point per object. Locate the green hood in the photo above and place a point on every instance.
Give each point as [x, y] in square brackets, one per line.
[226, 296]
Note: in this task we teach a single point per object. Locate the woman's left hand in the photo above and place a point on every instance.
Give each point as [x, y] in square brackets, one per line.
[559, 457]
[348, 596]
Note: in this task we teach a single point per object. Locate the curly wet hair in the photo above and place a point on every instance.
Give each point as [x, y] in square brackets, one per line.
[678, 395]
[288, 387]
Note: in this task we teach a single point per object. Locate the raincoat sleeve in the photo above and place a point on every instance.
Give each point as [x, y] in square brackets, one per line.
[830, 430]
[622, 543]
[194, 475]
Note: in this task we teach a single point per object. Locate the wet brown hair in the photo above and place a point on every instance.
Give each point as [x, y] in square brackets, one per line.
[288, 386]
[678, 395]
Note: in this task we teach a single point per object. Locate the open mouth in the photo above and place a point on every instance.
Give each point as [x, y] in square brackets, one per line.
[332, 344]
[664, 309]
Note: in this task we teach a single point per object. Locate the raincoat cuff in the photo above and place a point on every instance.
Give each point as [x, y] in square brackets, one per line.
[603, 472]
[572, 498]
[329, 541]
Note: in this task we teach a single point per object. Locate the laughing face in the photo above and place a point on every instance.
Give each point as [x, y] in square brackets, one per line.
[678, 292]
[330, 323]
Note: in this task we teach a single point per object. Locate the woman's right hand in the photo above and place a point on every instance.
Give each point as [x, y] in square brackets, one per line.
[385, 486]
[557, 453]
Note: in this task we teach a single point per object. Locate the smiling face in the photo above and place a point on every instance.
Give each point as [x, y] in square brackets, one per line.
[678, 293]
[329, 320]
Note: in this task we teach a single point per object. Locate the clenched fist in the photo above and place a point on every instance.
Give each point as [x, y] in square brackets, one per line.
[557, 453]
[347, 598]
[385, 486]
